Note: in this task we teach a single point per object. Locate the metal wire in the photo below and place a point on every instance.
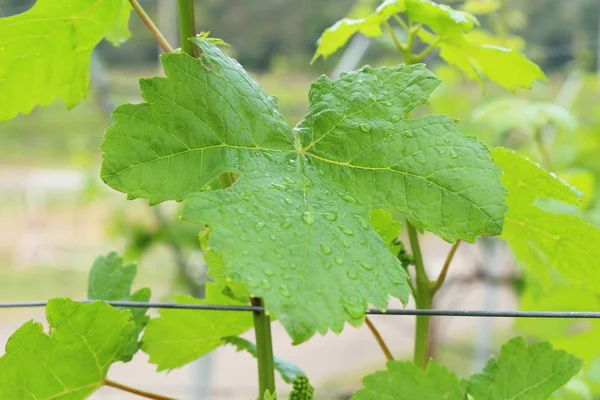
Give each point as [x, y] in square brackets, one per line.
[391, 311]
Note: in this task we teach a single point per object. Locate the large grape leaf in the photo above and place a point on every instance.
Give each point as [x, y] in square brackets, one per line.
[71, 361]
[546, 242]
[110, 279]
[524, 372]
[406, 381]
[294, 228]
[45, 51]
[178, 337]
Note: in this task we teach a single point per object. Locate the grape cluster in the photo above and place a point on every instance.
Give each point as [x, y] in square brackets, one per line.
[302, 389]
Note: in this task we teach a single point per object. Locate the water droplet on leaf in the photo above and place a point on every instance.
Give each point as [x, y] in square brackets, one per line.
[351, 274]
[395, 118]
[325, 249]
[349, 199]
[308, 217]
[284, 291]
[453, 154]
[345, 230]
[365, 128]
[268, 272]
[409, 134]
[286, 223]
[259, 225]
[330, 216]
[366, 266]
[338, 261]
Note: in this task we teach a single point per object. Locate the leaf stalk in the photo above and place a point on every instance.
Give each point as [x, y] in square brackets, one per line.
[442, 277]
[187, 26]
[135, 391]
[379, 339]
[264, 350]
[158, 36]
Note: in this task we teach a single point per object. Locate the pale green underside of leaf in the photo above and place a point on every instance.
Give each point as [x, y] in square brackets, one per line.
[71, 362]
[541, 240]
[178, 337]
[110, 279]
[294, 228]
[45, 52]
[288, 371]
[524, 372]
[406, 381]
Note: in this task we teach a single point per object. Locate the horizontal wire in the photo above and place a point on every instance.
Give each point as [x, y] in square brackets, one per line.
[391, 311]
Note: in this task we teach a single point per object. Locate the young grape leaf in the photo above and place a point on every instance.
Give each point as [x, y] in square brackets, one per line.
[71, 361]
[110, 279]
[542, 240]
[178, 337]
[481, 6]
[288, 371]
[524, 372]
[294, 228]
[387, 227]
[406, 381]
[46, 51]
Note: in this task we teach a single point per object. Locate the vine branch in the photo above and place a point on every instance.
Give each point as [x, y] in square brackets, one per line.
[162, 41]
[442, 277]
[379, 339]
[187, 26]
[135, 391]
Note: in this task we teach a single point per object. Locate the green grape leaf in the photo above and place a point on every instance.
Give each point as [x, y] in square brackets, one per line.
[110, 279]
[524, 372]
[481, 6]
[406, 381]
[288, 371]
[294, 227]
[178, 337]
[338, 35]
[387, 227]
[71, 361]
[45, 52]
[546, 242]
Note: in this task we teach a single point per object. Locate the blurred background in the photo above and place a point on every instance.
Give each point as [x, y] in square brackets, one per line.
[56, 216]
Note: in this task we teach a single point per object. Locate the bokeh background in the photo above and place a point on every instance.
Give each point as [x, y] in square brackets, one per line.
[56, 215]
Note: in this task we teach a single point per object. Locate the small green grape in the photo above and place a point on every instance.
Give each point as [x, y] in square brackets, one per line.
[302, 389]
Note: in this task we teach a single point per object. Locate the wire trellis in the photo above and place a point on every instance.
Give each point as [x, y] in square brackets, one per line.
[372, 311]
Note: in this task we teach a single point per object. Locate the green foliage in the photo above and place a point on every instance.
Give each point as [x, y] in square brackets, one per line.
[71, 361]
[288, 371]
[388, 228]
[178, 337]
[524, 372]
[556, 243]
[521, 372]
[46, 51]
[110, 279]
[301, 239]
[450, 30]
[406, 381]
[302, 389]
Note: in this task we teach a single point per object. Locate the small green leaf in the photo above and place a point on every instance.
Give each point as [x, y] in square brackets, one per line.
[301, 238]
[71, 361]
[178, 337]
[46, 51]
[288, 371]
[406, 381]
[477, 7]
[524, 372]
[110, 279]
[387, 227]
[546, 242]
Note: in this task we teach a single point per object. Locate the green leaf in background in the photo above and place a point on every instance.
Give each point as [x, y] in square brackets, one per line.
[406, 381]
[71, 361]
[301, 237]
[387, 227]
[544, 241]
[110, 279]
[45, 52]
[524, 372]
[288, 371]
[481, 7]
[178, 337]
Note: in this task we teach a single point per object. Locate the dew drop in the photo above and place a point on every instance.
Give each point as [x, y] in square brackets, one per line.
[441, 150]
[272, 237]
[366, 266]
[269, 157]
[347, 198]
[319, 291]
[245, 252]
[365, 128]
[251, 282]
[259, 225]
[345, 244]
[362, 222]
[288, 201]
[338, 261]
[345, 230]
[387, 103]
[447, 140]
[308, 217]
[351, 274]
[265, 284]
[372, 97]
[453, 154]
[422, 162]
[286, 223]
[330, 216]
[268, 272]
[395, 118]
[409, 134]
[327, 266]
[354, 307]
[288, 180]
[284, 291]
[325, 249]
[277, 186]
[244, 238]
[430, 184]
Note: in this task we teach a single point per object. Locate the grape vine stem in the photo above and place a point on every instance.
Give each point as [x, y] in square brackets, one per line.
[442, 277]
[135, 391]
[187, 26]
[264, 350]
[379, 339]
[162, 41]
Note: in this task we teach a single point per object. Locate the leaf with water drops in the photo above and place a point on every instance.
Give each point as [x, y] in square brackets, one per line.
[545, 241]
[45, 52]
[294, 229]
[110, 279]
[524, 372]
[406, 381]
[69, 362]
